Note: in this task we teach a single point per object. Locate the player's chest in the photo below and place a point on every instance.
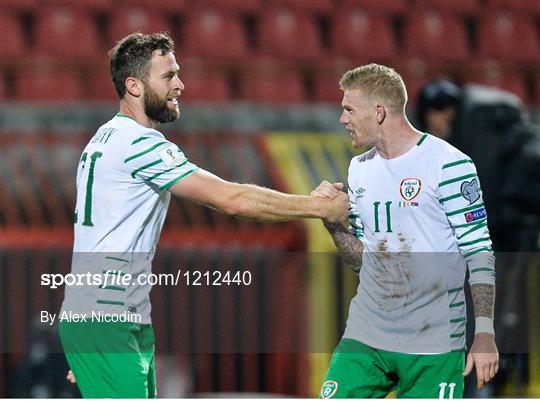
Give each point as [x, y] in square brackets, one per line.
[398, 193]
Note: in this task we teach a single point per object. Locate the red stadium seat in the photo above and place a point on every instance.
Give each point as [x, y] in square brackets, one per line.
[516, 5]
[388, 6]
[214, 33]
[202, 82]
[44, 80]
[365, 35]
[269, 81]
[144, 19]
[305, 5]
[416, 72]
[12, 34]
[27, 5]
[100, 86]
[66, 31]
[230, 5]
[435, 35]
[289, 33]
[467, 6]
[508, 36]
[326, 80]
[166, 5]
[495, 74]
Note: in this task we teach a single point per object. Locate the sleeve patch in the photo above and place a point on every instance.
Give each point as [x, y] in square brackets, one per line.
[172, 156]
[470, 191]
[475, 215]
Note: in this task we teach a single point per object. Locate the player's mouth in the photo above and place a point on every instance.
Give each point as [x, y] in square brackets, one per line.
[173, 102]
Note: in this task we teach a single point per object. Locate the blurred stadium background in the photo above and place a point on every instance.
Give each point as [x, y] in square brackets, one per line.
[261, 105]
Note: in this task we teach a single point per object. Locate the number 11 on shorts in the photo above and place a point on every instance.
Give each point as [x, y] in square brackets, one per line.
[442, 390]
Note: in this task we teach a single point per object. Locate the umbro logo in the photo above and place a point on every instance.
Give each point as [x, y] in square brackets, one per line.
[360, 192]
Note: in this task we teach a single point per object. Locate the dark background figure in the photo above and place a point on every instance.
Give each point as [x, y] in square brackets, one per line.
[492, 127]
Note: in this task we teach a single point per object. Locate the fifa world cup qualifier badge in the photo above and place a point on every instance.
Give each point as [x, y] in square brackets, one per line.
[410, 188]
[329, 389]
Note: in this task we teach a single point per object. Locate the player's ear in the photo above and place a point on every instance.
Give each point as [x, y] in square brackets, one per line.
[133, 86]
[380, 111]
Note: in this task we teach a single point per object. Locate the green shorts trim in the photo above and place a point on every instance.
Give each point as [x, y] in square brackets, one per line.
[360, 371]
[111, 360]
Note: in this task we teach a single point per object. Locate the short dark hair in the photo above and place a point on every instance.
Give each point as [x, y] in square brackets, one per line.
[131, 57]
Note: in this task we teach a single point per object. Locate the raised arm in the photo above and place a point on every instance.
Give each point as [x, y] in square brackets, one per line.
[254, 202]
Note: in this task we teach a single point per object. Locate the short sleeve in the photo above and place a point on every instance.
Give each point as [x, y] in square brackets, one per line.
[157, 161]
[356, 227]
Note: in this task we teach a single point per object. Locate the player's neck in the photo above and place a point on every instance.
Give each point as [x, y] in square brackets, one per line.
[397, 139]
[136, 114]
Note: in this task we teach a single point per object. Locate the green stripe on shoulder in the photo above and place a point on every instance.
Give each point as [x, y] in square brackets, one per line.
[468, 243]
[450, 197]
[135, 141]
[421, 140]
[129, 158]
[455, 289]
[460, 162]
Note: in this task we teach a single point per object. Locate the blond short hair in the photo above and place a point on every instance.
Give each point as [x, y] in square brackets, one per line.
[380, 83]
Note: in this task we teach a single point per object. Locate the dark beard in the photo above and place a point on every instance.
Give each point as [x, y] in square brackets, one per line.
[156, 109]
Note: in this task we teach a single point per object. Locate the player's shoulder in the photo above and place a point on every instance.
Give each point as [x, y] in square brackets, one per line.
[443, 151]
[364, 157]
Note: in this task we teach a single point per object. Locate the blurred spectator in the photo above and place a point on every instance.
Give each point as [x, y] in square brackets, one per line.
[492, 127]
[437, 106]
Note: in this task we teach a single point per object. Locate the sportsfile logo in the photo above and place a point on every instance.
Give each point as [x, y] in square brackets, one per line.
[475, 215]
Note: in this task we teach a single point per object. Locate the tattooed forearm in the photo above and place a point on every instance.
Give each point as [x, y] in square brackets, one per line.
[483, 300]
[350, 248]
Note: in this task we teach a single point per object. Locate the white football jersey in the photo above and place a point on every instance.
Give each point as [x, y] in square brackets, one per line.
[422, 221]
[122, 200]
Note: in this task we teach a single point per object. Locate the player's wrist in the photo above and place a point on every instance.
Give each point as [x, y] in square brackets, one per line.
[484, 325]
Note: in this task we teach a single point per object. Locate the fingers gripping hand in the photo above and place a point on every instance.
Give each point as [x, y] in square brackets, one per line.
[327, 189]
[485, 357]
[340, 209]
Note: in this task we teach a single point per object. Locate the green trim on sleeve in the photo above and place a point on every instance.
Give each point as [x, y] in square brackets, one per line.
[166, 171]
[455, 289]
[458, 304]
[460, 319]
[116, 258]
[145, 167]
[475, 251]
[482, 269]
[112, 287]
[457, 335]
[460, 162]
[177, 179]
[113, 302]
[450, 181]
[468, 243]
[474, 229]
[468, 209]
[129, 158]
[450, 197]
[464, 225]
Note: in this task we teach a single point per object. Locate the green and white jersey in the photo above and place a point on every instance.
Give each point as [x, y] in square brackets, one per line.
[422, 221]
[122, 200]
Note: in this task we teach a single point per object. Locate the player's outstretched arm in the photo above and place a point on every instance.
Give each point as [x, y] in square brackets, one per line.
[483, 354]
[349, 247]
[254, 202]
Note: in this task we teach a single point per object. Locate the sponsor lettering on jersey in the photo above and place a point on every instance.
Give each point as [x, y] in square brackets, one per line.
[470, 191]
[410, 188]
[475, 215]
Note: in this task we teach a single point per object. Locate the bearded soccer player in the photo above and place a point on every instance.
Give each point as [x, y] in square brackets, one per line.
[125, 178]
[417, 223]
